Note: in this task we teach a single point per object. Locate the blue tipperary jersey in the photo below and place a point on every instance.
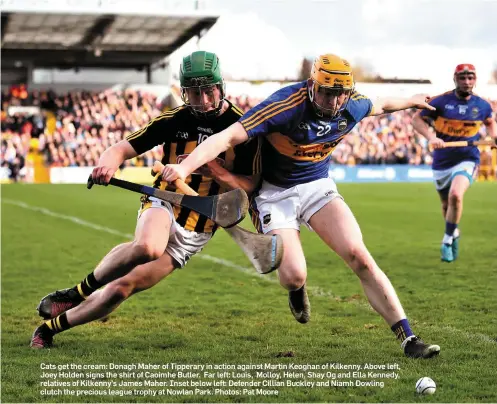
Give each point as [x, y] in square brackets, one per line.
[298, 144]
[456, 119]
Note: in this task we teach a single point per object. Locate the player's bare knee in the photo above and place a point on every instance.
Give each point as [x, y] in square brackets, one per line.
[455, 197]
[293, 279]
[143, 282]
[146, 252]
[360, 261]
[118, 291]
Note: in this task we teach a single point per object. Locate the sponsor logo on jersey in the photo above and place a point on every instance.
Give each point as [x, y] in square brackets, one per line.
[342, 124]
[463, 109]
[180, 158]
[207, 130]
[456, 132]
[324, 149]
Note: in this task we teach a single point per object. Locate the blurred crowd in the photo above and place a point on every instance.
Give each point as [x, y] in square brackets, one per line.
[384, 139]
[88, 123]
[75, 128]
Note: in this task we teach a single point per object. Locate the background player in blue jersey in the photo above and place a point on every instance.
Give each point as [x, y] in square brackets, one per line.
[459, 115]
[301, 125]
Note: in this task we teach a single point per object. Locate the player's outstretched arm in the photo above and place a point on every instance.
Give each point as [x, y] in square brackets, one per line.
[110, 160]
[208, 150]
[392, 104]
[422, 127]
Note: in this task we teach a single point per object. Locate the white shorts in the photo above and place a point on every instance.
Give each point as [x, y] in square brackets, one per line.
[443, 178]
[182, 244]
[288, 208]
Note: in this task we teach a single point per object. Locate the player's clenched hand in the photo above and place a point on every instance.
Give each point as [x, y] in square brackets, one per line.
[101, 175]
[420, 101]
[436, 143]
[172, 172]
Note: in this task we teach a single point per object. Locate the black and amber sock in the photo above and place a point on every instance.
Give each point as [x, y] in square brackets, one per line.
[58, 324]
[87, 286]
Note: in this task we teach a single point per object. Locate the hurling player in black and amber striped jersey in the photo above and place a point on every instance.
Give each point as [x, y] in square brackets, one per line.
[166, 236]
[180, 134]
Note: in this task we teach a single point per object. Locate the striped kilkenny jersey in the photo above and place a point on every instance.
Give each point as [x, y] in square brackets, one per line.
[456, 119]
[180, 132]
[298, 144]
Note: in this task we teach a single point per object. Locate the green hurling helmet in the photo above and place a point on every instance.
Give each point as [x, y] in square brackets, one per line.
[201, 70]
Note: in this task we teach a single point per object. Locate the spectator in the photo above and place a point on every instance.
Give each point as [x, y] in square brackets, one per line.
[86, 123]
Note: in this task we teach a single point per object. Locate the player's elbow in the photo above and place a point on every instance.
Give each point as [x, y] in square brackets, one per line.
[236, 134]
[492, 128]
[220, 142]
[415, 122]
[120, 151]
[418, 123]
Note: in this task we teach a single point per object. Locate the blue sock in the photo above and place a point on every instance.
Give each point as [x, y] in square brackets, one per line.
[402, 330]
[450, 228]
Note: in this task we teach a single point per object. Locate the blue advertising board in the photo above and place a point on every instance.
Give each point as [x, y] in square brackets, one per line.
[381, 173]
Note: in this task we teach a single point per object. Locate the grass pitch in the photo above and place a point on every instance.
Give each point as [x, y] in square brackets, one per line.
[218, 311]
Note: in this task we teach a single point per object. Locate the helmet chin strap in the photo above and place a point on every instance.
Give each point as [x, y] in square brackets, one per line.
[463, 94]
[209, 114]
[321, 112]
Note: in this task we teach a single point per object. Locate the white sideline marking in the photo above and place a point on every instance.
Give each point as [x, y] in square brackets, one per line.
[73, 219]
[315, 290]
[468, 335]
[91, 225]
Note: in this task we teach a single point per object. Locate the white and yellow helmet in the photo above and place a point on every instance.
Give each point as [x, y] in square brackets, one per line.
[333, 73]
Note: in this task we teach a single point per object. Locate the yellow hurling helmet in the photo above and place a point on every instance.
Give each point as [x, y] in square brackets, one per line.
[330, 75]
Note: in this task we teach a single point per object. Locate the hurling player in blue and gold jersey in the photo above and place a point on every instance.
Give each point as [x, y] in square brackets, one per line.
[301, 125]
[166, 236]
[458, 115]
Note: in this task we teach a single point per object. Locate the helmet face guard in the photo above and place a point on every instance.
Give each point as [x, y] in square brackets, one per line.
[330, 86]
[329, 101]
[204, 100]
[465, 79]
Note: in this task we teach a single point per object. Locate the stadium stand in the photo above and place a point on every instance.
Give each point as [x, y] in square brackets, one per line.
[71, 128]
[84, 124]
[97, 39]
